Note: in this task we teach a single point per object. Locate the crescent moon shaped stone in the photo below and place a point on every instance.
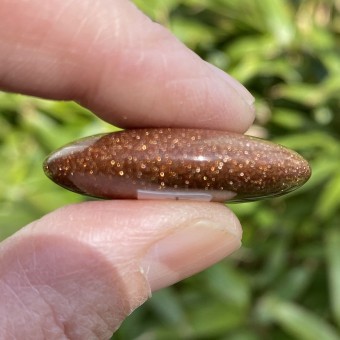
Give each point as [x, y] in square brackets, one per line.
[165, 163]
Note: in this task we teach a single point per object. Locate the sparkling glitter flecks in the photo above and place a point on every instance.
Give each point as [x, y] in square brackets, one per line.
[120, 164]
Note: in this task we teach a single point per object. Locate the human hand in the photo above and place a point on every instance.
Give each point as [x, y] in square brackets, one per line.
[77, 272]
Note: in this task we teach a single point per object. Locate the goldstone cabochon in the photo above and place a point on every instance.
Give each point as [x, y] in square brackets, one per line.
[167, 163]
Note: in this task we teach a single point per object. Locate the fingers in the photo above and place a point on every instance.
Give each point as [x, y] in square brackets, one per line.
[109, 57]
[79, 271]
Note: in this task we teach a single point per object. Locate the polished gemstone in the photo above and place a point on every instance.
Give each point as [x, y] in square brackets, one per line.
[166, 163]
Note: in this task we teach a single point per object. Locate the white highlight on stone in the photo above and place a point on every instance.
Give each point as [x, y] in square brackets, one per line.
[199, 195]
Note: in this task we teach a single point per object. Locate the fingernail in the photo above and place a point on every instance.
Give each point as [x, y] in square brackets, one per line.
[190, 249]
[237, 86]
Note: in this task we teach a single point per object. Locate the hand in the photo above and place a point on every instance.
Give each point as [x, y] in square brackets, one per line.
[78, 271]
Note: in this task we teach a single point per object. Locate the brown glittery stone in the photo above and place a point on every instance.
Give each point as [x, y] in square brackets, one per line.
[170, 163]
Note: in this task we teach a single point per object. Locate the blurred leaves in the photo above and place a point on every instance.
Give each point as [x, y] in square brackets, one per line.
[332, 246]
[284, 282]
[299, 323]
[30, 128]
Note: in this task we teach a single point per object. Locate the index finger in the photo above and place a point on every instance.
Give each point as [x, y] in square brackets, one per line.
[111, 58]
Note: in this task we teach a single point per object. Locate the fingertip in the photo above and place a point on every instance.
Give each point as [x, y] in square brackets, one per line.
[190, 249]
[114, 60]
[89, 265]
[159, 243]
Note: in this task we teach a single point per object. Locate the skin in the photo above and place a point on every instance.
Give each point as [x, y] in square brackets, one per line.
[77, 272]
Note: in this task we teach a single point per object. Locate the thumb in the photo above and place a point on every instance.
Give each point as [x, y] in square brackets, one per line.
[78, 272]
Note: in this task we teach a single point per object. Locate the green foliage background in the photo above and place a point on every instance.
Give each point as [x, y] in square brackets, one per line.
[285, 281]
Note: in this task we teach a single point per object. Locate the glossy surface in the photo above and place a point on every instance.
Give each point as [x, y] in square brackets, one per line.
[177, 164]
